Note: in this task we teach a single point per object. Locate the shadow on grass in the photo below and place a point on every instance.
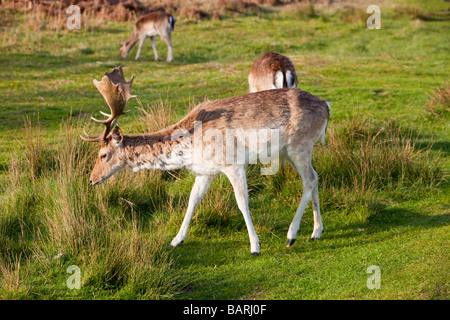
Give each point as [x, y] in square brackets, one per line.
[443, 146]
[38, 61]
[98, 29]
[218, 263]
[187, 58]
[41, 64]
[382, 219]
[219, 278]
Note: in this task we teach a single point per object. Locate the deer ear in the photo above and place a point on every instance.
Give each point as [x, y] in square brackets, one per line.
[117, 135]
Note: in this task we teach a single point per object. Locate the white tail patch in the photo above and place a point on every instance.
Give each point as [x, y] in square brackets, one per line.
[172, 22]
[279, 80]
[290, 79]
[322, 137]
[272, 71]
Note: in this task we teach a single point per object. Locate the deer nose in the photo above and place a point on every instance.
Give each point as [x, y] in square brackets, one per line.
[90, 181]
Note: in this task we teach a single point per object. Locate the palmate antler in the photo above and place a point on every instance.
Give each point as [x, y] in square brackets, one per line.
[116, 92]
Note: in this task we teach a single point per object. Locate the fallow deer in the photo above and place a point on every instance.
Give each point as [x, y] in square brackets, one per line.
[297, 117]
[272, 71]
[153, 24]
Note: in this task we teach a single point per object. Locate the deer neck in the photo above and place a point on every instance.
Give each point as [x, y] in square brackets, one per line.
[155, 151]
[132, 40]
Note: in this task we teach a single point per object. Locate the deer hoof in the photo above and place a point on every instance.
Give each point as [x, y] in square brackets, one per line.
[290, 242]
[175, 244]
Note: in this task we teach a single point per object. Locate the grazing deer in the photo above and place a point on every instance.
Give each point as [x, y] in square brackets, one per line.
[298, 117]
[150, 25]
[272, 71]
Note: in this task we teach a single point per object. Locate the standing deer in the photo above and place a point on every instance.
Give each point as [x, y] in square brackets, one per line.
[299, 118]
[150, 25]
[272, 71]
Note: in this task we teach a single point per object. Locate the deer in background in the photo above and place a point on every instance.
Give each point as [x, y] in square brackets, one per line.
[272, 71]
[153, 24]
[299, 117]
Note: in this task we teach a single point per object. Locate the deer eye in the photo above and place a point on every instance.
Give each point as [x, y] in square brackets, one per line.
[103, 156]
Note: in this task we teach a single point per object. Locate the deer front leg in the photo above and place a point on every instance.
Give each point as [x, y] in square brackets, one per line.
[154, 48]
[238, 179]
[199, 189]
[141, 43]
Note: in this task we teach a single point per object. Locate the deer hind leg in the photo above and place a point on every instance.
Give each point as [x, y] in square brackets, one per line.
[154, 47]
[310, 191]
[167, 39]
[199, 189]
[318, 225]
[238, 179]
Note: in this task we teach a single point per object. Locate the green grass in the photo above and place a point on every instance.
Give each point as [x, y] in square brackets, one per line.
[383, 176]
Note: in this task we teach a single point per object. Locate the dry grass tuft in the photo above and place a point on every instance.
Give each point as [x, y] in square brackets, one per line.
[107, 231]
[269, 2]
[157, 116]
[12, 286]
[352, 15]
[414, 12]
[439, 103]
[194, 14]
[363, 157]
[237, 6]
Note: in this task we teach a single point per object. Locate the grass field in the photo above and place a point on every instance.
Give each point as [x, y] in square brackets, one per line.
[383, 175]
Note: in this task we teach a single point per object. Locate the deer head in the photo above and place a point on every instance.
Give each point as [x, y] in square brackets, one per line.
[116, 92]
[124, 49]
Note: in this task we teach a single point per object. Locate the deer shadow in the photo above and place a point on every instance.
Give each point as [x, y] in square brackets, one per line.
[383, 218]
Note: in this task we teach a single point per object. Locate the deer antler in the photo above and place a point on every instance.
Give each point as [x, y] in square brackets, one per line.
[116, 92]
